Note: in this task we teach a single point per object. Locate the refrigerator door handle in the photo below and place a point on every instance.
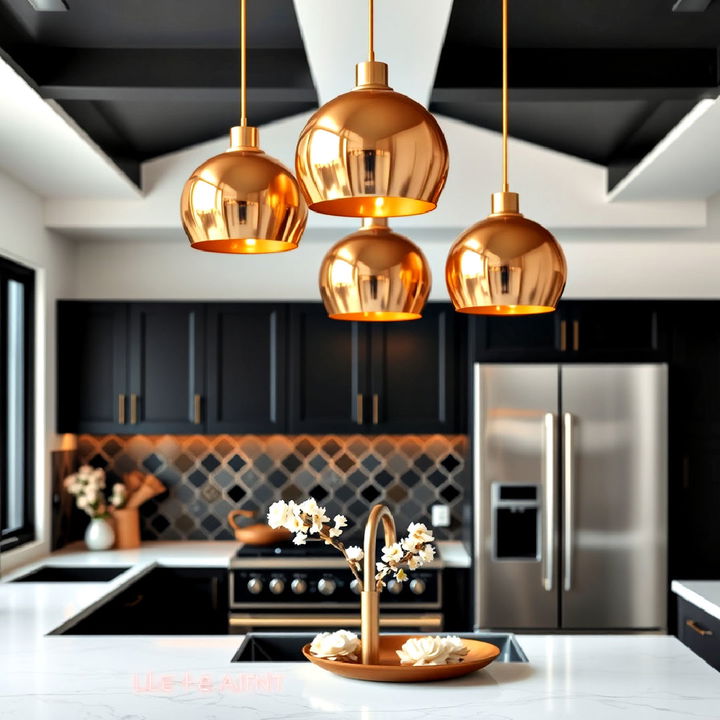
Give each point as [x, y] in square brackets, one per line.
[568, 500]
[549, 524]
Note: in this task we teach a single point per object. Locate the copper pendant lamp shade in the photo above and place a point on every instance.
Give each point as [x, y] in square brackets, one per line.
[374, 274]
[372, 152]
[505, 264]
[243, 201]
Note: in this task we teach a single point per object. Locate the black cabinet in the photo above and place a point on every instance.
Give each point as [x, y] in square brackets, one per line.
[328, 372]
[92, 367]
[578, 331]
[246, 377]
[372, 377]
[413, 374]
[700, 631]
[167, 367]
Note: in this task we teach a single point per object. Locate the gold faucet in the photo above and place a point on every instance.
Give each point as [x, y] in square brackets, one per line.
[370, 597]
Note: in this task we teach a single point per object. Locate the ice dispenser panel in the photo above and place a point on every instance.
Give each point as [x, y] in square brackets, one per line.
[516, 522]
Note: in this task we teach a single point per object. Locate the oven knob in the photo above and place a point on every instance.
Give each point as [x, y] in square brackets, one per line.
[326, 586]
[298, 586]
[355, 586]
[255, 585]
[417, 586]
[394, 587]
[277, 585]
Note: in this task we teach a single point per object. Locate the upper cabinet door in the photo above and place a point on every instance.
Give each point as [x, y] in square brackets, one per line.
[615, 329]
[92, 367]
[519, 337]
[167, 368]
[413, 374]
[246, 368]
[328, 372]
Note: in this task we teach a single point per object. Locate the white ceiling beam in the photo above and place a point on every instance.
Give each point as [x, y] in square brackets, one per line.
[409, 35]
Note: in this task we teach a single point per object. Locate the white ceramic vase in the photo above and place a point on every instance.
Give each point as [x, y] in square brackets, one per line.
[99, 535]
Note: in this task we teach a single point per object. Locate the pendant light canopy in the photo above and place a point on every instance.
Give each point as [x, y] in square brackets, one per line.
[374, 274]
[505, 264]
[243, 201]
[372, 152]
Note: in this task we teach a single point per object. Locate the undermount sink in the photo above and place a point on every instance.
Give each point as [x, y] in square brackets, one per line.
[287, 647]
[60, 573]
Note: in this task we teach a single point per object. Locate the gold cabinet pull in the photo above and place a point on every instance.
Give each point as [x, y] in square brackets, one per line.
[359, 408]
[576, 335]
[121, 408]
[563, 335]
[198, 409]
[699, 630]
[133, 408]
[375, 408]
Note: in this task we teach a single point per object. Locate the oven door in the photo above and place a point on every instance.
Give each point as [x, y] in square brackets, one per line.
[241, 623]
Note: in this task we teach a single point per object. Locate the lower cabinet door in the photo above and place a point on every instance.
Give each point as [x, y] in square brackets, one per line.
[700, 631]
[246, 368]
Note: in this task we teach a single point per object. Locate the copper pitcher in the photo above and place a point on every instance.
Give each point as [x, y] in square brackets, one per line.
[257, 534]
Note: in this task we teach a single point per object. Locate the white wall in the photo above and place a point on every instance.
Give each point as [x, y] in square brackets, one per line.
[601, 264]
[24, 239]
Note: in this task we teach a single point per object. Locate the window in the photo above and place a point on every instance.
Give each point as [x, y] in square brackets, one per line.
[17, 292]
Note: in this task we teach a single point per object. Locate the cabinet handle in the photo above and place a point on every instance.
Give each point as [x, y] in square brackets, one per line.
[133, 408]
[563, 335]
[376, 408]
[198, 409]
[699, 630]
[121, 408]
[576, 335]
[359, 408]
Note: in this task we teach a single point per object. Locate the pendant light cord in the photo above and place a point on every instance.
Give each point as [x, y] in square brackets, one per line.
[506, 186]
[243, 64]
[371, 30]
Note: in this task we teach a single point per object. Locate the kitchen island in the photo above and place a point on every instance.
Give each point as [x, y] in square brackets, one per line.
[55, 677]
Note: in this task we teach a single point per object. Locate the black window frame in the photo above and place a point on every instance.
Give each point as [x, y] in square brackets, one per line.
[12, 538]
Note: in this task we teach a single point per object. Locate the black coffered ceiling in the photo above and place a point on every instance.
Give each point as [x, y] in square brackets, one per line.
[146, 77]
[603, 80]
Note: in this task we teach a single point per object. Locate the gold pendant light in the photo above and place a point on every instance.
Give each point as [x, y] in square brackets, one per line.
[505, 264]
[372, 152]
[243, 201]
[374, 274]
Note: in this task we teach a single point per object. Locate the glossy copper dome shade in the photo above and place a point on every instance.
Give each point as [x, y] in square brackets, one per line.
[243, 201]
[372, 152]
[374, 274]
[505, 265]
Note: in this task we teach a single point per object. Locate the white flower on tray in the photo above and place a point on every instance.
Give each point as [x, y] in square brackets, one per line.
[432, 650]
[343, 646]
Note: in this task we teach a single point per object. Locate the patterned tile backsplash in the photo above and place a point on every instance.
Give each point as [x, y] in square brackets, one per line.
[207, 476]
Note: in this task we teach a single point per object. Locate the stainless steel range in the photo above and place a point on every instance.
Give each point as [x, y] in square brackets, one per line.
[287, 586]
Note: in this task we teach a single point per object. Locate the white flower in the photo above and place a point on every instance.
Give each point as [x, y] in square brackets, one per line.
[420, 533]
[392, 553]
[401, 575]
[82, 502]
[354, 553]
[309, 506]
[410, 544]
[119, 495]
[427, 553]
[432, 650]
[340, 522]
[279, 514]
[341, 645]
[414, 562]
[300, 538]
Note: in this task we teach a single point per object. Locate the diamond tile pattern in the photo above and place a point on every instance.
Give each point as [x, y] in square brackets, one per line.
[207, 476]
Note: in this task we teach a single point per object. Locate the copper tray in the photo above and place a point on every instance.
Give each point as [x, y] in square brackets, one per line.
[389, 668]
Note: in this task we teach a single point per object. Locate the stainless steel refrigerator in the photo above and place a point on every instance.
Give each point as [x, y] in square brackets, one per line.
[570, 496]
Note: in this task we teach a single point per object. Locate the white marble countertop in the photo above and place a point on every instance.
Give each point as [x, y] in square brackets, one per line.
[141, 678]
[704, 594]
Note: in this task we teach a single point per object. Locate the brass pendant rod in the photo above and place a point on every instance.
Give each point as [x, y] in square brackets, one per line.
[506, 186]
[371, 30]
[243, 63]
